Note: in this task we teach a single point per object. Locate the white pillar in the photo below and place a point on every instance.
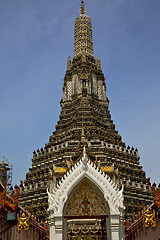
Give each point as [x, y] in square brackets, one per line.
[55, 226]
[121, 224]
[51, 226]
[58, 228]
[115, 227]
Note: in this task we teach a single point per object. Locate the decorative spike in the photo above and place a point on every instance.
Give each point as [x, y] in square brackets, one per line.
[69, 64]
[98, 63]
[154, 184]
[82, 10]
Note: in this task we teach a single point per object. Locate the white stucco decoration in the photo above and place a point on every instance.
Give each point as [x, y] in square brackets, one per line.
[85, 169]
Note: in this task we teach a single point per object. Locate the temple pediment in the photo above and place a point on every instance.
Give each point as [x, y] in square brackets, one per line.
[86, 191]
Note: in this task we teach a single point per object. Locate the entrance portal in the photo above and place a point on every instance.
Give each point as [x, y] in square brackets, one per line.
[86, 213]
[87, 204]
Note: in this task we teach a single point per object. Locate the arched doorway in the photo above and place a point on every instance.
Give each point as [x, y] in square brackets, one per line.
[86, 213]
[75, 195]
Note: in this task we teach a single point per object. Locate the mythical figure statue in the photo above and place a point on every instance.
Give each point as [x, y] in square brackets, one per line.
[23, 222]
[51, 200]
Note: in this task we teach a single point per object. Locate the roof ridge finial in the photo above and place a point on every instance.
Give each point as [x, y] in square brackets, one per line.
[82, 10]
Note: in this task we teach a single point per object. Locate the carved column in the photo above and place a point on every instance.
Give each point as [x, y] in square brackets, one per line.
[51, 225]
[58, 228]
[115, 226]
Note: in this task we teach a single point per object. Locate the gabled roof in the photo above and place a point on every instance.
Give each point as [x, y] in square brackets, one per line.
[8, 202]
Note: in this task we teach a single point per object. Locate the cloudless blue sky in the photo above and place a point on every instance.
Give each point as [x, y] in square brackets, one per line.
[36, 38]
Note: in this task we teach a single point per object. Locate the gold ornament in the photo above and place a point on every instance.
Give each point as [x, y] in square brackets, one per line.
[149, 219]
[61, 170]
[23, 222]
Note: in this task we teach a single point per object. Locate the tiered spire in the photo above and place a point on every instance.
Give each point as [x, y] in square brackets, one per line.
[83, 41]
[85, 120]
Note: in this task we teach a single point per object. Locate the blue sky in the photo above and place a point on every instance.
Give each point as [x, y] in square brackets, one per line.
[35, 41]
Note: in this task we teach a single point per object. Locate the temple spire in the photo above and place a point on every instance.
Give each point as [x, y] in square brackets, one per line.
[82, 10]
[83, 41]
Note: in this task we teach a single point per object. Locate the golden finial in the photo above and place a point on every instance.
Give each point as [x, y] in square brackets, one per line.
[82, 10]
[3, 162]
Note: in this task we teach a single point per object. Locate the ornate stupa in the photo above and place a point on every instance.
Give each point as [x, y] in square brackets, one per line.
[85, 120]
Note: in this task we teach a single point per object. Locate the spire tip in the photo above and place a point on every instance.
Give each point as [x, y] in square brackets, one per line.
[82, 10]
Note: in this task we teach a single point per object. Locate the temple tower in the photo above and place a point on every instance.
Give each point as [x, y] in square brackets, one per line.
[85, 120]
[83, 40]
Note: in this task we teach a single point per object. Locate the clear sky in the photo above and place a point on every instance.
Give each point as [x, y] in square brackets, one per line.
[36, 38]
